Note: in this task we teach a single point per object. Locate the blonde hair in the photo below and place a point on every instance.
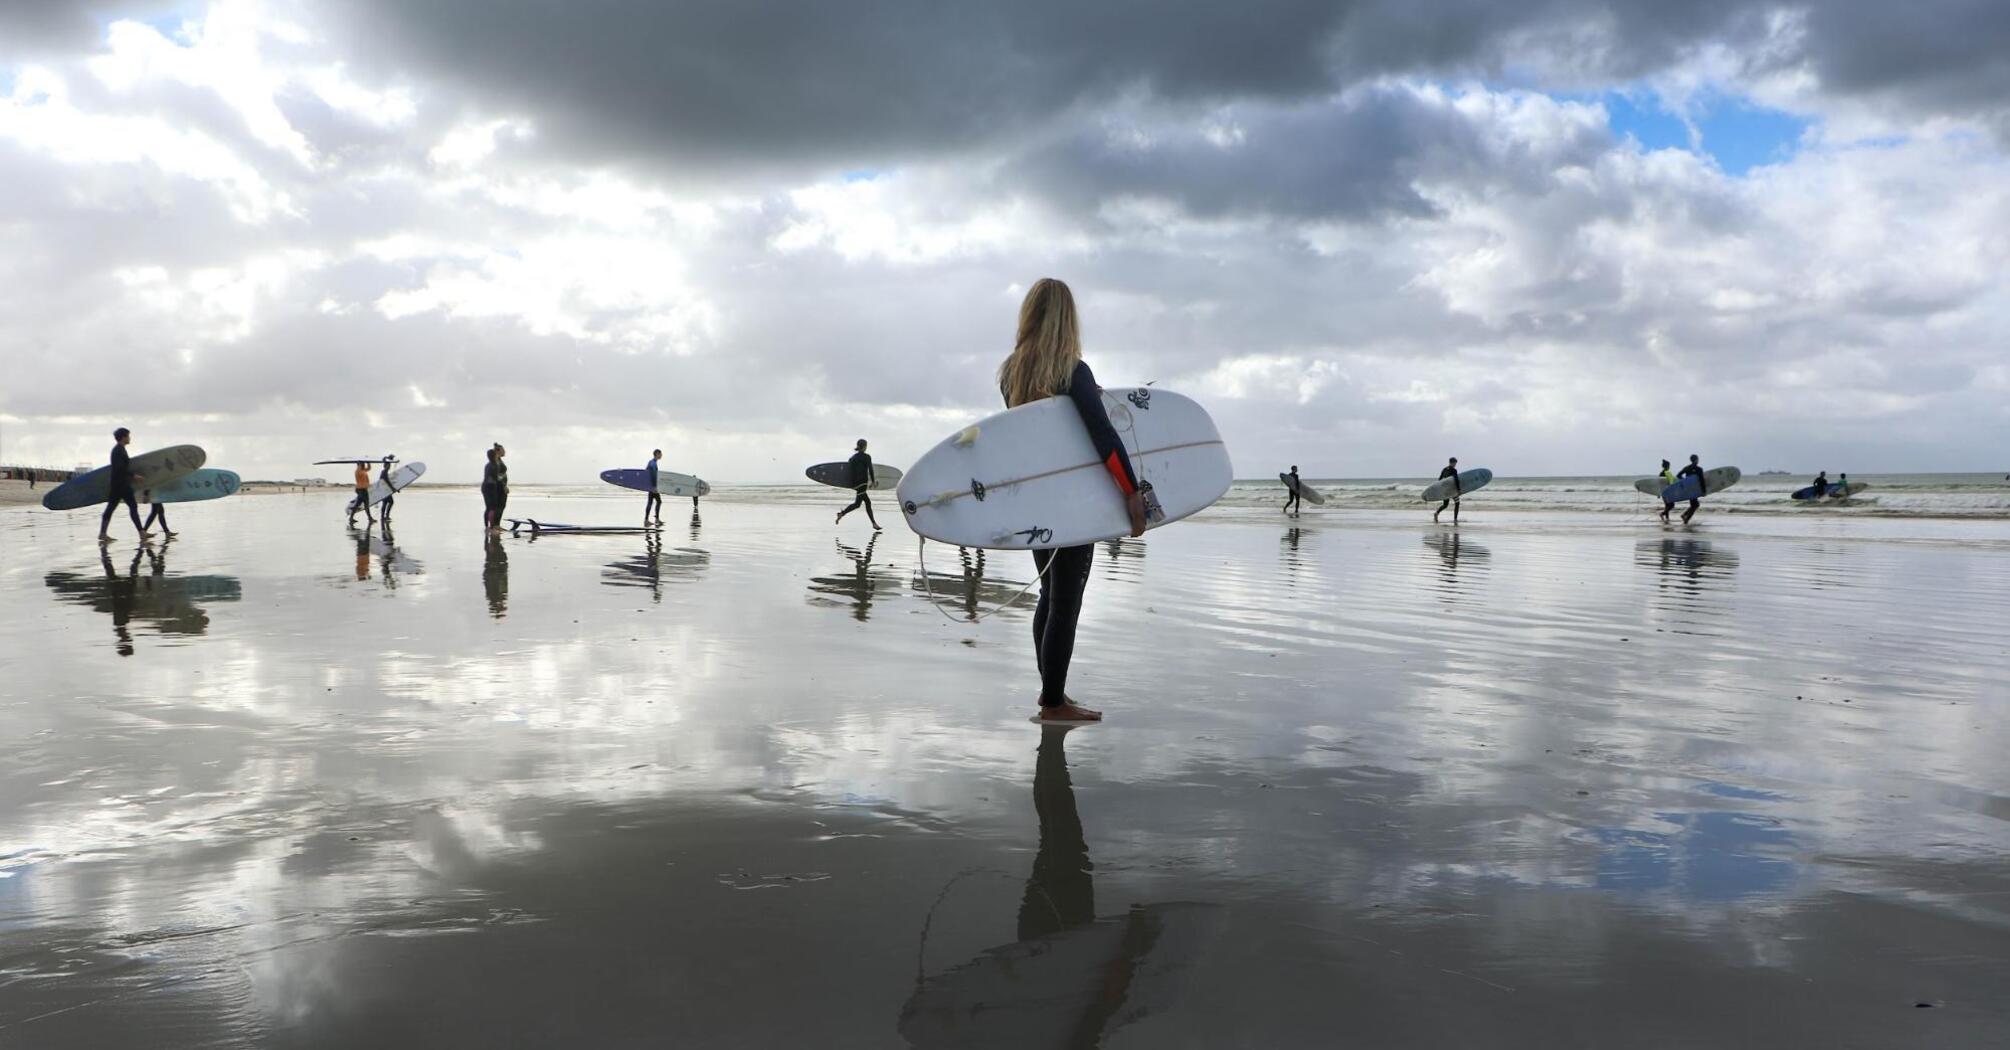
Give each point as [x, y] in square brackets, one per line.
[1048, 348]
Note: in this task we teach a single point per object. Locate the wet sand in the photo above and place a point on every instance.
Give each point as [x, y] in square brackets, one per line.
[1540, 781]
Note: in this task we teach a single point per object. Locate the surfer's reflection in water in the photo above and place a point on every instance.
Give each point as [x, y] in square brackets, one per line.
[694, 519]
[860, 588]
[971, 590]
[167, 603]
[649, 568]
[495, 576]
[1069, 979]
[1293, 559]
[1451, 547]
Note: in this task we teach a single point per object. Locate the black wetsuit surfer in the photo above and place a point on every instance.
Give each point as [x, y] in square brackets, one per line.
[1064, 571]
[860, 468]
[121, 490]
[1295, 499]
[1451, 471]
[1695, 470]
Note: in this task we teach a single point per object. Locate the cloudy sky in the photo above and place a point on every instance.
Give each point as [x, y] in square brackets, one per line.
[1550, 237]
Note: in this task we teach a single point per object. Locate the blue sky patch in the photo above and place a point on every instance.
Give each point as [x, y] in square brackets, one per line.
[1735, 133]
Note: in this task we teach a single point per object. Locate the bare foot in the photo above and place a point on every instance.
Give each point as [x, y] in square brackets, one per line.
[1069, 712]
[103, 539]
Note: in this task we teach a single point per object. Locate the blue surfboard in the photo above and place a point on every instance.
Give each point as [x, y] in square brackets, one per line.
[1716, 479]
[207, 483]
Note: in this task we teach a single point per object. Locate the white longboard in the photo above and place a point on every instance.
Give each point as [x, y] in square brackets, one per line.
[1029, 478]
[398, 480]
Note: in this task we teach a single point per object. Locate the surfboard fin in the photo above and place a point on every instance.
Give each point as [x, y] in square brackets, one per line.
[964, 438]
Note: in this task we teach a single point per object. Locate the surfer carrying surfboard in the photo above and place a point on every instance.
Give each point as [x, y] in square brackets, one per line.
[362, 501]
[123, 481]
[1451, 471]
[1667, 479]
[861, 480]
[1694, 469]
[1046, 361]
[1292, 500]
[391, 494]
[655, 500]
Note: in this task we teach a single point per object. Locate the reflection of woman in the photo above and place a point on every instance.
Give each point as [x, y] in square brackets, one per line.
[1046, 361]
[495, 577]
[1060, 893]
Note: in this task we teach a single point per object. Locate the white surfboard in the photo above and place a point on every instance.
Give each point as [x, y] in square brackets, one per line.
[1029, 478]
[1470, 481]
[399, 479]
[1305, 492]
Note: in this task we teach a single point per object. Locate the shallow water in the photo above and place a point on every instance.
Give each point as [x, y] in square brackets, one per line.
[1544, 780]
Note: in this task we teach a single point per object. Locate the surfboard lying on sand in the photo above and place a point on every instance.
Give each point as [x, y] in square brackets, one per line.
[156, 469]
[838, 475]
[397, 482]
[539, 528]
[668, 483]
[1306, 492]
[207, 483]
[1469, 480]
[1714, 480]
[1029, 478]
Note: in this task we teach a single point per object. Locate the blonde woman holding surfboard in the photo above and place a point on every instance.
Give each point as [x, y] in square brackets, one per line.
[1046, 361]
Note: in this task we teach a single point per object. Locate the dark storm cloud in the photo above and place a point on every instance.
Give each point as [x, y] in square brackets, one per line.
[1356, 158]
[867, 83]
[1947, 56]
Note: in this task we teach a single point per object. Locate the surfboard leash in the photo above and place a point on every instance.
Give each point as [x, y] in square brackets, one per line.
[928, 584]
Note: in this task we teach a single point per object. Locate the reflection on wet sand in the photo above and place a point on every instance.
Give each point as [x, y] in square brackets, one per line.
[858, 589]
[1122, 558]
[169, 604]
[380, 554]
[971, 591]
[1290, 553]
[1069, 978]
[1450, 547]
[650, 568]
[1694, 576]
[495, 576]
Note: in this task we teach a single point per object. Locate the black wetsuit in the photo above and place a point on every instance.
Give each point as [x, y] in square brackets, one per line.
[384, 475]
[1693, 470]
[655, 500]
[121, 491]
[1821, 486]
[1065, 570]
[495, 491]
[1294, 499]
[860, 465]
[1451, 472]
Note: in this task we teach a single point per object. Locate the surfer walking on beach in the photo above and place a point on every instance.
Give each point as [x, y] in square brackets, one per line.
[362, 502]
[1292, 499]
[1667, 479]
[1694, 469]
[122, 482]
[390, 494]
[158, 512]
[1046, 361]
[860, 465]
[1451, 471]
[655, 500]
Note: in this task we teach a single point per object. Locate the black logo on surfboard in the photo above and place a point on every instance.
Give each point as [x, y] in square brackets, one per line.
[1141, 398]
